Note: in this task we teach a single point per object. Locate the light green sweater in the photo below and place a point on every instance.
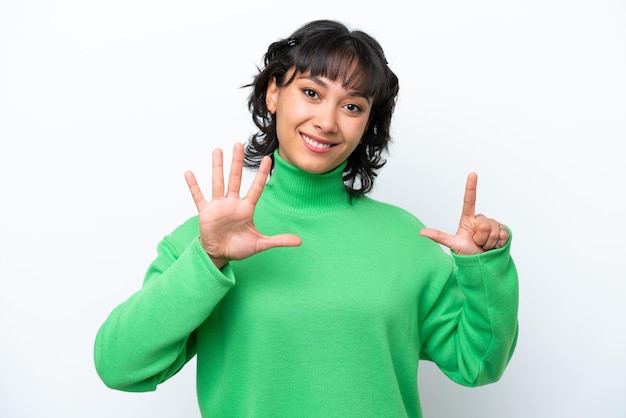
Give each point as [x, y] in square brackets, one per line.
[334, 328]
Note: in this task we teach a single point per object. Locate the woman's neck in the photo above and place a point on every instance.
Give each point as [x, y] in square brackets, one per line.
[292, 188]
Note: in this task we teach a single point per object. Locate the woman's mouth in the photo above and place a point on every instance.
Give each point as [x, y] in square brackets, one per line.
[316, 145]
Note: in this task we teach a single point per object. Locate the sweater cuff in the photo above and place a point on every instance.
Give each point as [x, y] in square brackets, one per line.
[491, 274]
[223, 277]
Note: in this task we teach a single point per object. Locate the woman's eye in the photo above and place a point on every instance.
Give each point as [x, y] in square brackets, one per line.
[353, 108]
[310, 93]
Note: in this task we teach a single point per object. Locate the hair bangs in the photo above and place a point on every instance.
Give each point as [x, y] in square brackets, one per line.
[328, 49]
[339, 60]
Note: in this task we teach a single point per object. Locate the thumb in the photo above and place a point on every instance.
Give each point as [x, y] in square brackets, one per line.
[281, 240]
[438, 236]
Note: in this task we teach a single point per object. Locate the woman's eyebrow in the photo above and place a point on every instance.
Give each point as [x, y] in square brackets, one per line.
[314, 79]
[319, 81]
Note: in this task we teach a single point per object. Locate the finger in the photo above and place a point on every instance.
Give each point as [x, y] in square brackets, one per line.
[218, 175]
[438, 236]
[503, 237]
[281, 240]
[485, 234]
[469, 199]
[236, 170]
[256, 188]
[196, 193]
[494, 237]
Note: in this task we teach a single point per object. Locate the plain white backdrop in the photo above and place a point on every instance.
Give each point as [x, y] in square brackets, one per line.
[104, 105]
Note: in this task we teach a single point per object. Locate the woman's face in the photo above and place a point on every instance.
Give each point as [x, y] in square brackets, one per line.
[319, 122]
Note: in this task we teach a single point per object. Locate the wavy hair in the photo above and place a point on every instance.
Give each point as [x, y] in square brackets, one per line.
[329, 49]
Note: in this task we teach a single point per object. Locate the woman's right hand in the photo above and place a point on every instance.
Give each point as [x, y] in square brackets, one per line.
[227, 230]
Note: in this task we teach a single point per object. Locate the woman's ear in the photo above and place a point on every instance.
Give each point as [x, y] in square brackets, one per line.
[271, 96]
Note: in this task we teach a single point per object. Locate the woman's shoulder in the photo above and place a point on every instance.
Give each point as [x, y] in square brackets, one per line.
[379, 208]
[395, 224]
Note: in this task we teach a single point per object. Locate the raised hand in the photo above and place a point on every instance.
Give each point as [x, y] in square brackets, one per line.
[227, 230]
[476, 233]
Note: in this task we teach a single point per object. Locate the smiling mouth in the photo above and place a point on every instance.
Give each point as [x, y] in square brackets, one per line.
[315, 144]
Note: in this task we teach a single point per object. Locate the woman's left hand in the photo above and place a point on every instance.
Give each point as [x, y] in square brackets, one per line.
[476, 233]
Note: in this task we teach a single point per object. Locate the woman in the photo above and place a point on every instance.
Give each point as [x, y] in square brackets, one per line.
[305, 297]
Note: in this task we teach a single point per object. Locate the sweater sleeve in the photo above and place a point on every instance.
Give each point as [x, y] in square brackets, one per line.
[471, 330]
[149, 337]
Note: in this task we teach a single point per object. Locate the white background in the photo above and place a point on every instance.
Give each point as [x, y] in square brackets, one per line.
[104, 105]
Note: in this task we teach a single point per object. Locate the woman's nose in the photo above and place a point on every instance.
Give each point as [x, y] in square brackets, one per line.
[326, 119]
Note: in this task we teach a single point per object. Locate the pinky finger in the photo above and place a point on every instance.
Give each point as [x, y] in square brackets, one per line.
[196, 193]
[503, 238]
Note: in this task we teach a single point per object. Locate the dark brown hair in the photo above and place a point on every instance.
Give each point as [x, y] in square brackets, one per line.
[329, 49]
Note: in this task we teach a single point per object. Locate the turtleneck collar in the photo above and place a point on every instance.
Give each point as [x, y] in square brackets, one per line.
[294, 189]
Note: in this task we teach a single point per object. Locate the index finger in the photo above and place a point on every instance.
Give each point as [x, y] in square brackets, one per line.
[258, 184]
[469, 200]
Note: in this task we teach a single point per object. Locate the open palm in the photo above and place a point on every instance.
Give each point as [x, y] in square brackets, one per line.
[227, 230]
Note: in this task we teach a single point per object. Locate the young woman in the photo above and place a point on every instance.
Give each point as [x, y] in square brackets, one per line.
[305, 297]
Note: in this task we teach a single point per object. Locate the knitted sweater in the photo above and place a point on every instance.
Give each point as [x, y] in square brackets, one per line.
[333, 328]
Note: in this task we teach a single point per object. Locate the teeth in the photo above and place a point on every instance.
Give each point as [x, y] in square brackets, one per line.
[314, 143]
